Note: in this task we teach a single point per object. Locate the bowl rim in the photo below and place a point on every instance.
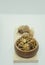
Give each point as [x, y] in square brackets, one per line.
[37, 45]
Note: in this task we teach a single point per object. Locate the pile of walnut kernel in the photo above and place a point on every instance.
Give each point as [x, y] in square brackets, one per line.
[26, 42]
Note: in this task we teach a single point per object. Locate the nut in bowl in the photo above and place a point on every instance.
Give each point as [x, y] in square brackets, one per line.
[26, 46]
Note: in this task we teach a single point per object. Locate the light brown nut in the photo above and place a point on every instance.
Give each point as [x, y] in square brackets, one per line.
[24, 28]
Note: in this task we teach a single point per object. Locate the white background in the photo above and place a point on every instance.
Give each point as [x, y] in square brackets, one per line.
[22, 6]
[8, 23]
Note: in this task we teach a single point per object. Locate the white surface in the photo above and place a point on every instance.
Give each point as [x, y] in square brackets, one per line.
[7, 26]
[18, 59]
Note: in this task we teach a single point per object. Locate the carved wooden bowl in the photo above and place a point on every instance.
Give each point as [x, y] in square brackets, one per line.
[26, 54]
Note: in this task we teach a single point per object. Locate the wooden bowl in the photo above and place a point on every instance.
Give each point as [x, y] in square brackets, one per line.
[26, 54]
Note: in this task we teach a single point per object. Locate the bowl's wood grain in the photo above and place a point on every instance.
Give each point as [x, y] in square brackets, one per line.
[26, 54]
